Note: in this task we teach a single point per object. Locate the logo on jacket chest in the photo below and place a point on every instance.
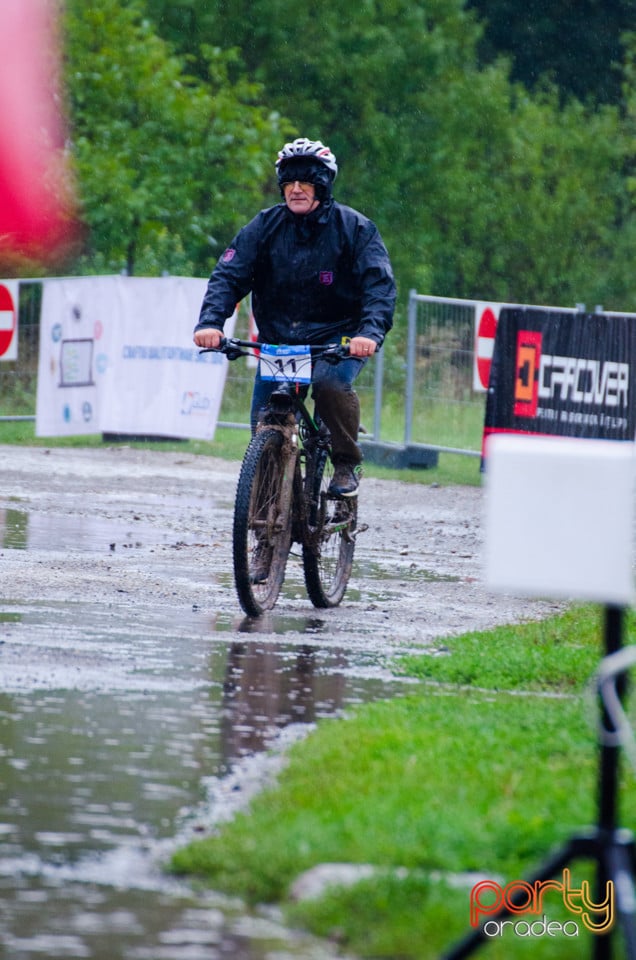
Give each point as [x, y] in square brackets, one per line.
[326, 277]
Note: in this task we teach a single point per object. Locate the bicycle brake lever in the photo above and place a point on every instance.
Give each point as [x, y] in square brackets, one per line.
[230, 350]
[335, 354]
[225, 347]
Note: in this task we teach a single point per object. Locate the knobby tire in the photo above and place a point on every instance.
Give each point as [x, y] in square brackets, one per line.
[258, 520]
[330, 542]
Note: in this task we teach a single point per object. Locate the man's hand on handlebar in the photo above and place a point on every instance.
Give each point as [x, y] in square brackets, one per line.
[362, 347]
[209, 338]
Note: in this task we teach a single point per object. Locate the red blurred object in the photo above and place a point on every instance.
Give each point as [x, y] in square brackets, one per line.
[35, 196]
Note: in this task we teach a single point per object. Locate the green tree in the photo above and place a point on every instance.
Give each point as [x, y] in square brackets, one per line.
[356, 77]
[577, 45]
[480, 188]
[527, 198]
[155, 148]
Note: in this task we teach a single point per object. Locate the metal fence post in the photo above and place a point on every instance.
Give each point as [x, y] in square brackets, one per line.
[410, 366]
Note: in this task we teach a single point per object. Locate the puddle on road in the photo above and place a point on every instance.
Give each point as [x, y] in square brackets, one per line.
[111, 736]
[21, 530]
[411, 573]
[115, 754]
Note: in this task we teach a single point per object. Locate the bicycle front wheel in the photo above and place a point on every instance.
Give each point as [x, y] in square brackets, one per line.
[329, 543]
[261, 533]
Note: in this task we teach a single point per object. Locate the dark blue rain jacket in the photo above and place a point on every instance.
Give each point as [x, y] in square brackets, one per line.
[313, 278]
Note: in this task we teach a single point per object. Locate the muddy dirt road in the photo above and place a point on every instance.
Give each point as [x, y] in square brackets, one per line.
[135, 699]
[120, 528]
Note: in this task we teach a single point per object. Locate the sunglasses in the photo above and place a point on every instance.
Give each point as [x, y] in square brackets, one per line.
[303, 185]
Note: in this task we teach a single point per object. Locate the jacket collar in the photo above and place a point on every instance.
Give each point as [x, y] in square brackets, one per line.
[320, 215]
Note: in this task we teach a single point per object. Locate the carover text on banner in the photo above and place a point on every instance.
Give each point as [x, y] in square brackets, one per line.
[563, 373]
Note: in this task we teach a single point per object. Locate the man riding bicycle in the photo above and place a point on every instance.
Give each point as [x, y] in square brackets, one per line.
[318, 271]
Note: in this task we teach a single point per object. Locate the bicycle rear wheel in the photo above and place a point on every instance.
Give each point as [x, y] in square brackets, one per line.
[330, 539]
[261, 533]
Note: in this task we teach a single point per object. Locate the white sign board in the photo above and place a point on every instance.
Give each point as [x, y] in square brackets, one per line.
[560, 517]
[116, 356]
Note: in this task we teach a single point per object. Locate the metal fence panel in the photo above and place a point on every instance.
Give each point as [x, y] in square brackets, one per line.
[442, 408]
[428, 393]
[18, 378]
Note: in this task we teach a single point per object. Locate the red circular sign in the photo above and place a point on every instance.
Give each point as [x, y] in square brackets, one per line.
[8, 319]
[486, 330]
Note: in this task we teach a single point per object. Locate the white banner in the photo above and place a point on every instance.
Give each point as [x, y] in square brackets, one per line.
[116, 356]
[71, 354]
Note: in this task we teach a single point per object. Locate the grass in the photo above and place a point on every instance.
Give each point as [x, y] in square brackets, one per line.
[549, 655]
[485, 767]
[230, 443]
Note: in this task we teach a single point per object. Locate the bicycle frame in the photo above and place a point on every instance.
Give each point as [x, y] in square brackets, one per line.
[285, 402]
[283, 496]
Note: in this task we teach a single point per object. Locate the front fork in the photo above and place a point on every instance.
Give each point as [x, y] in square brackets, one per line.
[285, 504]
[287, 498]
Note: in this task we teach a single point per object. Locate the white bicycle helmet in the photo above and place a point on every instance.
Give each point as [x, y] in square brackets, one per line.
[312, 150]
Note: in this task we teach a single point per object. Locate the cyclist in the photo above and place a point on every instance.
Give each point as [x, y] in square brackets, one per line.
[318, 271]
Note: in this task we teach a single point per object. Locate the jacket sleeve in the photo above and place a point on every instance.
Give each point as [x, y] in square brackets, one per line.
[231, 279]
[377, 283]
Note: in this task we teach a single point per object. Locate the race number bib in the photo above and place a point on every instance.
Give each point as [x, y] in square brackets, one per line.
[286, 363]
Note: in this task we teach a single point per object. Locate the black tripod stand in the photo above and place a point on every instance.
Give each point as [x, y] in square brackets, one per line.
[610, 847]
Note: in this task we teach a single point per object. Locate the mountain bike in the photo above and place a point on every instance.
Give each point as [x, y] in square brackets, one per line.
[282, 495]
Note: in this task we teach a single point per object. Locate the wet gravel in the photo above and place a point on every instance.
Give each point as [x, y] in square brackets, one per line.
[121, 528]
[136, 700]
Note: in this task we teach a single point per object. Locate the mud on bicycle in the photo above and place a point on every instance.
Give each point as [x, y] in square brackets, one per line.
[282, 495]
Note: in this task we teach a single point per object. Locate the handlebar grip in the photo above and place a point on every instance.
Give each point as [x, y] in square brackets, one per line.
[225, 347]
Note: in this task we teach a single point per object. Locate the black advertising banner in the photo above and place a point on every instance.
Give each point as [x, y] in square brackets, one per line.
[563, 373]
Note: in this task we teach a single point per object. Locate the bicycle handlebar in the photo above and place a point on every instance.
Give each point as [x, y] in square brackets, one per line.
[233, 349]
